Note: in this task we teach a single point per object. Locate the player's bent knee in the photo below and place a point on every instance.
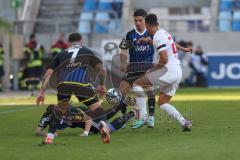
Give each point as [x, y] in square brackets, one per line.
[124, 87]
[163, 99]
[139, 90]
[136, 83]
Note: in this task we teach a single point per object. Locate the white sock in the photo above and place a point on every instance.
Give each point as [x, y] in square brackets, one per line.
[151, 118]
[50, 135]
[173, 112]
[141, 101]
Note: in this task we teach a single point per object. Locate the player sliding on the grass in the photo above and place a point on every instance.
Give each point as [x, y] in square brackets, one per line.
[167, 72]
[74, 119]
[71, 72]
[140, 60]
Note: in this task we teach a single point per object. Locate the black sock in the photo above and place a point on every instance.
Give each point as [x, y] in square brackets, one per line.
[151, 103]
[120, 121]
[111, 112]
[122, 106]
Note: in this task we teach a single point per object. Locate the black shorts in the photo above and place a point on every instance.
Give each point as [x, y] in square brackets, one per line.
[136, 70]
[83, 91]
[130, 77]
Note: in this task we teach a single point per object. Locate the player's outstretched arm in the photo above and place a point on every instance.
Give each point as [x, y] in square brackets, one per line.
[102, 78]
[40, 132]
[102, 73]
[41, 97]
[88, 124]
[124, 46]
[179, 47]
[123, 59]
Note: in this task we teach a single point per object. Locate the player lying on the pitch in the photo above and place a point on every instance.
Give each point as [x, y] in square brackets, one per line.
[86, 120]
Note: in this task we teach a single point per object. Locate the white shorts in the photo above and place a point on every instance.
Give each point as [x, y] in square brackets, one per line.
[166, 79]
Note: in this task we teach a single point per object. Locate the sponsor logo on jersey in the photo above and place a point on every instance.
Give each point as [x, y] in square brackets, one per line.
[142, 48]
[74, 64]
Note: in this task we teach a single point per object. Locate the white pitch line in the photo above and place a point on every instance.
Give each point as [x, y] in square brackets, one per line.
[17, 110]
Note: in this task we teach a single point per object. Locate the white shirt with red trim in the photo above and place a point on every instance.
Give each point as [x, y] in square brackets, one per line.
[162, 40]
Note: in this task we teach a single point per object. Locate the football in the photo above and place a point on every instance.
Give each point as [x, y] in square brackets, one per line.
[113, 96]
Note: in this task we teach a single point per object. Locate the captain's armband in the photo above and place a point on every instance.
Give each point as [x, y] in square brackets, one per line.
[125, 44]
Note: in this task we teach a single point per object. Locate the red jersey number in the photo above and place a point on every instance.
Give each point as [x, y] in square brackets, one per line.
[174, 48]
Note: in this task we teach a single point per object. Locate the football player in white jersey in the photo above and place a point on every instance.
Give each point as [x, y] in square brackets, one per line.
[167, 73]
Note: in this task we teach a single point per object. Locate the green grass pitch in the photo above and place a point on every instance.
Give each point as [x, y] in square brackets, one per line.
[215, 114]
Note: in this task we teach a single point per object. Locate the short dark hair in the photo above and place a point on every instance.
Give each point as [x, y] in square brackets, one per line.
[74, 37]
[151, 19]
[140, 12]
[32, 36]
[50, 108]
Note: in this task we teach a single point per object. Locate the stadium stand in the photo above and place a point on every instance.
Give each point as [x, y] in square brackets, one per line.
[226, 5]
[105, 5]
[229, 16]
[102, 19]
[236, 21]
[64, 12]
[225, 21]
[89, 5]
[84, 24]
[237, 4]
